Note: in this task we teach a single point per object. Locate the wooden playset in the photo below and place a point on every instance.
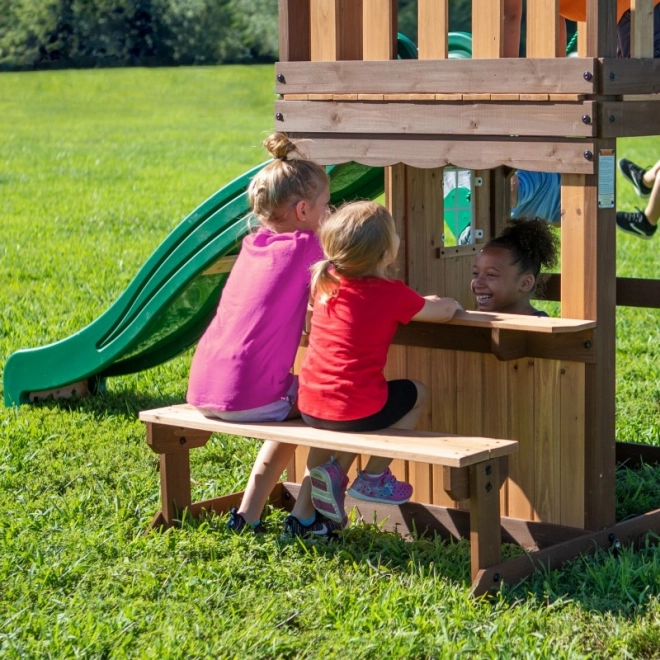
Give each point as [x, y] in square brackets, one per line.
[547, 384]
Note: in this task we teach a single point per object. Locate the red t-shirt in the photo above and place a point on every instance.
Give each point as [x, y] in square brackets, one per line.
[342, 374]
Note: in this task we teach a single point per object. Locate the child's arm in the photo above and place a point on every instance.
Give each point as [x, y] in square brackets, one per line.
[437, 310]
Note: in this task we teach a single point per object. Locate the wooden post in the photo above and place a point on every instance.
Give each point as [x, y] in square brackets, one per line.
[294, 31]
[379, 25]
[432, 29]
[336, 30]
[487, 28]
[485, 530]
[588, 291]
[601, 28]
[543, 29]
[641, 28]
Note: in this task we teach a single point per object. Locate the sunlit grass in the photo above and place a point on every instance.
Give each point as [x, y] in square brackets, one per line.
[96, 167]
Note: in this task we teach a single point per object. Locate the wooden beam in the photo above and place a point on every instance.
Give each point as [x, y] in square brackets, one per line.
[295, 30]
[539, 154]
[511, 76]
[464, 119]
[629, 118]
[623, 76]
[336, 30]
[432, 29]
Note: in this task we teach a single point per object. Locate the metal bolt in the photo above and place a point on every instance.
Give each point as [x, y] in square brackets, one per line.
[612, 75]
[588, 155]
[182, 441]
[496, 577]
[612, 119]
[279, 116]
[587, 344]
[586, 119]
[489, 487]
[489, 469]
[280, 78]
[287, 495]
[587, 75]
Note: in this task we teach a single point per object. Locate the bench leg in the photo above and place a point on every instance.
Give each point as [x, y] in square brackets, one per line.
[485, 523]
[174, 484]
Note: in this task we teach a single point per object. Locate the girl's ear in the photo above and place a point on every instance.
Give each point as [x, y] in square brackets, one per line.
[301, 210]
[527, 282]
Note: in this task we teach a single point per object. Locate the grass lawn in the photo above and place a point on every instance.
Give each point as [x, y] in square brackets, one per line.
[96, 167]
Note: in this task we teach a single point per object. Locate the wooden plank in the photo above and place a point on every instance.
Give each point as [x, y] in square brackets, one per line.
[295, 29]
[624, 76]
[630, 118]
[432, 29]
[543, 29]
[487, 28]
[420, 474]
[574, 347]
[641, 28]
[538, 154]
[547, 450]
[520, 423]
[379, 25]
[349, 29]
[438, 448]
[174, 484]
[519, 322]
[323, 17]
[172, 439]
[633, 455]
[572, 406]
[537, 119]
[630, 291]
[443, 411]
[510, 76]
[588, 290]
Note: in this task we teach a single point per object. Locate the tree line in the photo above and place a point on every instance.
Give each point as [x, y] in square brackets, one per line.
[88, 33]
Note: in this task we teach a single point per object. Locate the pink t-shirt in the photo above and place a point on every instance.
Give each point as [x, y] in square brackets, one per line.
[244, 358]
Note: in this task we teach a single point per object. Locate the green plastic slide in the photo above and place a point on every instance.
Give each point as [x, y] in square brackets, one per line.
[170, 302]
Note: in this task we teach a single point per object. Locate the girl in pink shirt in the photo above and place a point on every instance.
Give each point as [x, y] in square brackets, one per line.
[241, 370]
[357, 309]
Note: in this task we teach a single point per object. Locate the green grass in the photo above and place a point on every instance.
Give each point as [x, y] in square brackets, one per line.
[96, 167]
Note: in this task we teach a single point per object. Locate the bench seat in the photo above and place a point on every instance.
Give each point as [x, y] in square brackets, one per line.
[474, 466]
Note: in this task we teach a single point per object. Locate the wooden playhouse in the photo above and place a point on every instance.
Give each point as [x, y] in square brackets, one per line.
[343, 90]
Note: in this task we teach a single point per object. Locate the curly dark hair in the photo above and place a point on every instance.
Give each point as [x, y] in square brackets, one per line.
[532, 245]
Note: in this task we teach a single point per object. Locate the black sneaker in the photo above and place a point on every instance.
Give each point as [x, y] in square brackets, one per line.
[321, 528]
[238, 524]
[635, 223]
[634, 174]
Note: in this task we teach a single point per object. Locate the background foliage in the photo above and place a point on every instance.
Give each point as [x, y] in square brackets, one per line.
[87, 33]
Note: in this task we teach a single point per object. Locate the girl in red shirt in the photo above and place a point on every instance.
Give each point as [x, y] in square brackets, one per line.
[357, 309]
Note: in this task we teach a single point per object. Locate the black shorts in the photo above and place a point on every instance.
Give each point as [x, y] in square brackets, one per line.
[401, 399]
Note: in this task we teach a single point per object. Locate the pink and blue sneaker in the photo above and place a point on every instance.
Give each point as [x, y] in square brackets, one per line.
[380, 488]
[329, 483]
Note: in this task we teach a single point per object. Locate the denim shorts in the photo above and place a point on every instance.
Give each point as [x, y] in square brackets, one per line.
[271, 412]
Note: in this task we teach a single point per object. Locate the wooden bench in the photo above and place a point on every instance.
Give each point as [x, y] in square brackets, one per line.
[473, 465]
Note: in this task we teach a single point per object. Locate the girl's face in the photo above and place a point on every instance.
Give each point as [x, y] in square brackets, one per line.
[498, 285]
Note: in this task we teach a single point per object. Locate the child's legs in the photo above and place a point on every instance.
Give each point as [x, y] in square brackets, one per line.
[651, 175]
[271, 461]
[652, 211]
[303, 508]
[378, 464]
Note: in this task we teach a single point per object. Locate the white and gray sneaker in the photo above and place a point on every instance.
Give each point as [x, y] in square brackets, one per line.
[321, 528]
